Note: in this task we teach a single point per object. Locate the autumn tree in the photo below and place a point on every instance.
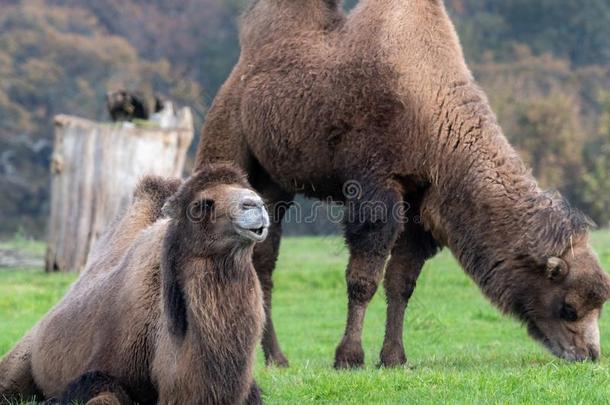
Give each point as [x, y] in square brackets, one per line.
[54, 59]
[596, 181]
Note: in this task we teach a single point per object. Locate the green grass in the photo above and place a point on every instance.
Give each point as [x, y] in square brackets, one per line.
[460, 349]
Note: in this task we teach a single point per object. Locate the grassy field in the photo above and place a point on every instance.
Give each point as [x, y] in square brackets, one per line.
[460, 349]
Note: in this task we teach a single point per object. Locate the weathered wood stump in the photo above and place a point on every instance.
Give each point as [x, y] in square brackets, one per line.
[94, 171]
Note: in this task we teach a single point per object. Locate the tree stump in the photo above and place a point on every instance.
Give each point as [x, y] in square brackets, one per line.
[95, 169]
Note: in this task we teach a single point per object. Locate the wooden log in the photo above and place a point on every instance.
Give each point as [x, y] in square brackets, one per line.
[94, 171]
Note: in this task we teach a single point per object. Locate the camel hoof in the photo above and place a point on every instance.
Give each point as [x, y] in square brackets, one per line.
[277, 360]
[349, 356]
[392, 357]
[105, 398]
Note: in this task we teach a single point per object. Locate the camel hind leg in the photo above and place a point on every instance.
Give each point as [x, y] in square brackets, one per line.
[412, 249]
[16, 379]
[371, 229]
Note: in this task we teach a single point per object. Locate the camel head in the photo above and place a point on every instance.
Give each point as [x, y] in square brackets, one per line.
[217, 211]
[561, 304]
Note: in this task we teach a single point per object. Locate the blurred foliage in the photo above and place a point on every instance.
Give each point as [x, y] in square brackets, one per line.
[575, 30]
[596, 179]
[554, 113]
[544, 63]
[58, 59]
[199, 36]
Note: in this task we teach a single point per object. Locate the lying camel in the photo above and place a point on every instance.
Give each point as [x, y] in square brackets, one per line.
[382, 100]
[169, 307]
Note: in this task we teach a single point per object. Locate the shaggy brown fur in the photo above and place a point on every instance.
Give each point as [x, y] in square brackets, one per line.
[176, 319]
[384, 97]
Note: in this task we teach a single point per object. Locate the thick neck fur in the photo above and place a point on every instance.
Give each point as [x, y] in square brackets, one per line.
[224, 313]
[214, 315]
[483, 203]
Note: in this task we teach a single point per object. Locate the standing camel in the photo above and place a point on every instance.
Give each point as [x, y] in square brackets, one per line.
[383, 97]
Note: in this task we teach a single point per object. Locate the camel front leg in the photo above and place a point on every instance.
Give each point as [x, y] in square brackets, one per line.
[370, 230]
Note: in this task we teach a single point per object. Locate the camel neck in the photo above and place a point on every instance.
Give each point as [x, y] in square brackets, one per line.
[483, 202]
[469, 150]
[225, 316]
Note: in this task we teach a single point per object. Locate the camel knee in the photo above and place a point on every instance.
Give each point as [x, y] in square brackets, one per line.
[409, 254]
[399, 286]
[363, 276]
[361, 290]
[401, 293]
[408, 290]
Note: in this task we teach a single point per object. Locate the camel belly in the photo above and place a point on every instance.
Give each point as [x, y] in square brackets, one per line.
[305, 135]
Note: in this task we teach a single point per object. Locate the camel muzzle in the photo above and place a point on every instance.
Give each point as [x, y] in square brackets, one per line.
[251, 220]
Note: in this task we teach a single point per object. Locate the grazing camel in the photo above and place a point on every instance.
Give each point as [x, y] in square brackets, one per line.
[382, 98]
[169, 309]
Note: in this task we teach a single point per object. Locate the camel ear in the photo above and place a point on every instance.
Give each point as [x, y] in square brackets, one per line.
[556, 269]
[170, 208]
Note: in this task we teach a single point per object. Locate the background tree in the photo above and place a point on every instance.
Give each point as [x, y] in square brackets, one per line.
[596, 180]
[54, 59]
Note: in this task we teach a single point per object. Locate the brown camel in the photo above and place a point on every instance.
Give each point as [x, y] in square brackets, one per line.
[383, 97]
[168, 310]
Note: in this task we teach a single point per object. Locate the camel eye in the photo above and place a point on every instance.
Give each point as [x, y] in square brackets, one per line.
[207, 205]
[568, 313]
[203, 204]
[200, 209]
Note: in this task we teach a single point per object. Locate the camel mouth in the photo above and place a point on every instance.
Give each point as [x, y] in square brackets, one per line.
[258, 234]
[251, 221]
[574, 354]
[564, 350]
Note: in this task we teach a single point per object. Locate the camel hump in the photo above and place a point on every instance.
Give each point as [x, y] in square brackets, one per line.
[156, 189]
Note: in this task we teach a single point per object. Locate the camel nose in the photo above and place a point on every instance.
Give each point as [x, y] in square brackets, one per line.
[249, 203]
[252, 220]
[251, 211]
